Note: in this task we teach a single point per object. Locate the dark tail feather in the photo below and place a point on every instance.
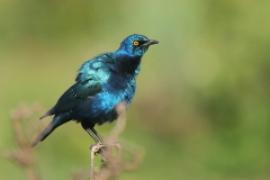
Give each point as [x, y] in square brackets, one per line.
[48, 113]
[48, 130]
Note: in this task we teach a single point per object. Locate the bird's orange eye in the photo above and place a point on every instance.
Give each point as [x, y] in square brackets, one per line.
[136, 43]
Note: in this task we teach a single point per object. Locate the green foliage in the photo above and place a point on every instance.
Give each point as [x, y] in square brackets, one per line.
[201, 109]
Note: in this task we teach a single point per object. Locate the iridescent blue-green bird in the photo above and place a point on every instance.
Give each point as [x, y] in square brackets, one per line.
[101, 84]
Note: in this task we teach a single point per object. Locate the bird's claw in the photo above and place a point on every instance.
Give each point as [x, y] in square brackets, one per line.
[96, 148]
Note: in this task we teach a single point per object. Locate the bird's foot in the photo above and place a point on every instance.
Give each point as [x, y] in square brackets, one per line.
[97, 148]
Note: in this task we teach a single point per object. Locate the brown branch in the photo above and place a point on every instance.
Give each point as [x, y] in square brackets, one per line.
[24, 155]
[114, 163]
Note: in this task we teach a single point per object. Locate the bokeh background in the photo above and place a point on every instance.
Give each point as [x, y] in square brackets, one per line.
[202, 105]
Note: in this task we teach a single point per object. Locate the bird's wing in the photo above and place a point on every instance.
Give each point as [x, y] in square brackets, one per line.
[95, 68]
[91, 75]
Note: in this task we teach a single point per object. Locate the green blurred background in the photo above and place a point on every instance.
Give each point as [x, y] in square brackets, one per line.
[202, 105]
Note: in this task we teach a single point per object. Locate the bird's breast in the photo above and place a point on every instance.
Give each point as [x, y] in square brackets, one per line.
[111, 95]
[101, 107]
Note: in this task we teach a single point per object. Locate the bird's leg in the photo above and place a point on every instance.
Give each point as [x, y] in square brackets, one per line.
[98, 139]
[95, 148]
[97, 135]
[100, 146]
[93, 134]
[100, 142]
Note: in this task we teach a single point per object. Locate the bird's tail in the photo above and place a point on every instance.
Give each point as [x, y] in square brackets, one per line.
[57, 121]
[48, 113]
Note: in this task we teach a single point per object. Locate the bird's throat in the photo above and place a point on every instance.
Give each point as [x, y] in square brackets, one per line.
[128, 64]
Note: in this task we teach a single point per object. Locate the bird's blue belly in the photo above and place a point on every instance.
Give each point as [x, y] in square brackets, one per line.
[104, 103]
[101, 108]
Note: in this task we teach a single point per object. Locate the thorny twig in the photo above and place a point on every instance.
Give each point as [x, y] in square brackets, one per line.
[24, 155]
[114, 163]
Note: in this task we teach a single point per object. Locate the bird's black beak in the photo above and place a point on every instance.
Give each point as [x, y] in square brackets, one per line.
[151, 42]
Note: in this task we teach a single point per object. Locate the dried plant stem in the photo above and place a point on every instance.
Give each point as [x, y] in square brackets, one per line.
[107, 169]
[24, 155]
[94, 150]
[113, 161]
[92, 167]
[31, 174]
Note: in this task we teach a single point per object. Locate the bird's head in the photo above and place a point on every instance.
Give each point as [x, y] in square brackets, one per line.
[136, 45]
